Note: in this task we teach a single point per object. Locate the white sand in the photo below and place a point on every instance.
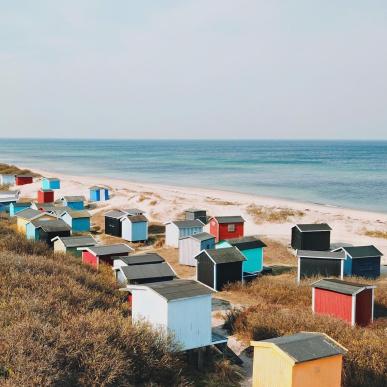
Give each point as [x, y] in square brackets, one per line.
[162, 203]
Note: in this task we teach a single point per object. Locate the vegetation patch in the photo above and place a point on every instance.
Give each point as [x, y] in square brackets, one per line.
[7, 169]
[376, 234]
[262, 214]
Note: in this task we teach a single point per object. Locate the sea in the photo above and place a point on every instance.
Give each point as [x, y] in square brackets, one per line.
[351, 174]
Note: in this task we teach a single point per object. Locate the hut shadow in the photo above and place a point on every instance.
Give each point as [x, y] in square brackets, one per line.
[220, 304]
[279, 269]
[156, 229]
[380, 311]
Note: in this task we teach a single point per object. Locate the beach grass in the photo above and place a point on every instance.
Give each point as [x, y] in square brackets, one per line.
[7, 169]
[261, 214]
[376, 234]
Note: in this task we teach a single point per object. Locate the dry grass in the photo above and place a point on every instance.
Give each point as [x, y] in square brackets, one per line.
[171, 255]
[262, 214]
[276, 253]
[376, 234]
[220, 202]
[281, 307]
[4, 187]
[8, 169]
[153, 202]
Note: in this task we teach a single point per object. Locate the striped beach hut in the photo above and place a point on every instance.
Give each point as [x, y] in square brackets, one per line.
[98, 193]
[190, 246]
[174, 230]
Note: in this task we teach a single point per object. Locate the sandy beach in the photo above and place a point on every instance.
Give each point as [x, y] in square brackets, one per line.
[164, 202]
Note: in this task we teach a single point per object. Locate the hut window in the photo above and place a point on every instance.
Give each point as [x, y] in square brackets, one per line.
[231, 227]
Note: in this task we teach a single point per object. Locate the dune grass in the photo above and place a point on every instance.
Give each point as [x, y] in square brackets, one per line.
[376, 234]
[281, 307]
[7, 169]
[261, 214]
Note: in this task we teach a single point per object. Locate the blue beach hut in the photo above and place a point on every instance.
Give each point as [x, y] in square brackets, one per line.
[7, 179]
[14, 208]
[50, 183]
[74, 202]
[79, 221]
[251, 248]
[98, 194]
[134, 228]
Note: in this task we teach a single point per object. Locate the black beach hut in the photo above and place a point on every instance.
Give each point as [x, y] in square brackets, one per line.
[113, 223]
[311, 237]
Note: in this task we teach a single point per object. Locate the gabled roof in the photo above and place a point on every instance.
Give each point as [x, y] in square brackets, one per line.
[179, 288]
[135, 218]
[339, 286]
[76, 214]
[149, 271]
[313, 227]
[9, 193]
[245, 243]
[228, 219]
[97, 187]
[226, 255]
[76, 241]
[201, 236]
[305, 346]
[73, 198]
[51, 225]
[29, 214]
[321, 254]
[116, 214]
[362, 251]
[116, 249]
[141, 259]
[22, 204]
[186, 223]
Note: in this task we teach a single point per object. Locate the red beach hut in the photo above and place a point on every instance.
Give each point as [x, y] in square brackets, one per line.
[45, 196]
[23, 179]
[226, 227]
[349, 301]
[94, 255]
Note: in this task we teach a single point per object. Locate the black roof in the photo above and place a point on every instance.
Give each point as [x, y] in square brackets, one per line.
[28, 213]
[307, 346]
[140, 259]
[321, 254]
[313, 227]
[339, 286]
[362, 251]
[117, 214]
[179, 288]
[117, 249]
[245, 243]
[187, 223]
[149, 271]
[22, 204]
[137, 218]
[77, 241]
[194, 210]
[229, 219]
[201, 236]
[225, 255]
[51, 225]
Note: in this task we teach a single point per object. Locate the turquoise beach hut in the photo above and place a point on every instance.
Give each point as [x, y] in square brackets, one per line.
[14, 208]
[74, 202]
[50, 183]
[251, 248]
[79, 221]
[98, 193]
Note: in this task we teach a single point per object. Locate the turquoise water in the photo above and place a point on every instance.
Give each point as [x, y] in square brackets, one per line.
[340, 173]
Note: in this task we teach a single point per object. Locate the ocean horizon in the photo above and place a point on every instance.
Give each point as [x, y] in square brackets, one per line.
[351, 174]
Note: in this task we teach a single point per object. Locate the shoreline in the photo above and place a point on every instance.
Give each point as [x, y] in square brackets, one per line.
[163, 202]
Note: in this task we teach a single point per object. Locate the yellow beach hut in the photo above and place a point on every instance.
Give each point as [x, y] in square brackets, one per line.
[301, 360]
[25, 216]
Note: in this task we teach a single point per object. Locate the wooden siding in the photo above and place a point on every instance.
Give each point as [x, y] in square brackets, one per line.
[205, 270]
[134, 232]
[319, 240]
[45, 196]
[364, 302]
[220, 231]
[333, 304]
[113, 226]
[366, 267]
[310, 267]
[23, 180]
[90, 259]
[228, 273]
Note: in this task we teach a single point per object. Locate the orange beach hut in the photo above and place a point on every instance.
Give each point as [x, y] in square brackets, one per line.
[301, 360]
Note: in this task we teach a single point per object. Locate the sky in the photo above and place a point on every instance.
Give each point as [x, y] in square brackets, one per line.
[193, 69]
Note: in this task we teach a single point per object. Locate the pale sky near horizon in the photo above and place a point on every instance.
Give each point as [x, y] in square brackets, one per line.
[193, 69]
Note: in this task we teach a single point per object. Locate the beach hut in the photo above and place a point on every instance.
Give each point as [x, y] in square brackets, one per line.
[72, 244]
[6, 198]
[50, 183]
[137, 259]
[180, 307]
[46, 207]
[174, 230]
[74, 202]
[79, 221]
[134, 228]
[113, 224]
[25, 216]
[251, 248]
[311, 237]
[226, 227]
[45, 196]
[320, 263]
[16, 207]
[95, 255]
[218, 267]
[195, 213]
[349, 301]
[304, 359]
[23, 179]
[7, 179]
[46, 230]
[362, 261]
[191, 246]
[98, 193]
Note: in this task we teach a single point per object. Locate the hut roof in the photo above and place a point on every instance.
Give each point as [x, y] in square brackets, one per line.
[140, 259]
[77, 214]
[149, 271]
[321, 254]
[306, 346]
[226, 255]
[116, 214]
[339, 286]
[76, 241]
[194, 210]
[51, 225]
[74, 198]
[22, 204]
[51, 178]
[136, 218]
[362, 251]
[201, 236]
[313, 227]
[186, 223]
[229, 219]
[28, 214]
[116, 249]
[245, 243]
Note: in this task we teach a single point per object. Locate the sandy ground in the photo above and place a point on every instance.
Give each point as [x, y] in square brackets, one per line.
[162, 203]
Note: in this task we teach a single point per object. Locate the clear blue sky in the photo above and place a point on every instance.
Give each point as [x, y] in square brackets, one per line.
[193, 68]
